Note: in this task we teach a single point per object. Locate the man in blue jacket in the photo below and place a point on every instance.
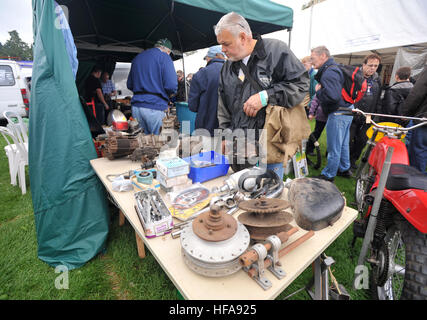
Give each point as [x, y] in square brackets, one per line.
[328, 91]
[203, 97]
[152, 78]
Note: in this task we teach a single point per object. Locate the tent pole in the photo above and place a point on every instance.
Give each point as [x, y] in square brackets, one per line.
[185, 77]
[289, 40]
[310, 28]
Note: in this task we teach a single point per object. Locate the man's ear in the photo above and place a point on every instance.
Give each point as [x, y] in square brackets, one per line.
[243, 37]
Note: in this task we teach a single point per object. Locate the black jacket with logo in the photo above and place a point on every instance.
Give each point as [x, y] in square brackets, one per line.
[276, 69]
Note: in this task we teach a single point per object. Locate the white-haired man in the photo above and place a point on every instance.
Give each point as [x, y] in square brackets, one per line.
[282, 78]
[152, 78]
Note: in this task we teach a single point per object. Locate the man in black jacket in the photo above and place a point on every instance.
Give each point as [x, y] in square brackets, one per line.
[370, 102]
[276, 70]
[397, 93]
[415, 105]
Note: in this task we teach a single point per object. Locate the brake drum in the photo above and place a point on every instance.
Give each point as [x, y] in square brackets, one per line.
[212, 244]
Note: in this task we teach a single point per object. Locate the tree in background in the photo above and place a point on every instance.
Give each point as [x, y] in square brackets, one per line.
[16, 48]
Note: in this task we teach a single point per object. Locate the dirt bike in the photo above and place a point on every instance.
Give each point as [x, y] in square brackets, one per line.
[391, 198]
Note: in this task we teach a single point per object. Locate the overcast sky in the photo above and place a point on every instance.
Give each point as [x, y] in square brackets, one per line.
[16, 15]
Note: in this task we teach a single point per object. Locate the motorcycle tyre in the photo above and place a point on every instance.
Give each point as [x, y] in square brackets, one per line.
[415, 278]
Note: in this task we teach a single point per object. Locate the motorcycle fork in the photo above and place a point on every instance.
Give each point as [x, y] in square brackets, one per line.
[372, 222]
[363, 161]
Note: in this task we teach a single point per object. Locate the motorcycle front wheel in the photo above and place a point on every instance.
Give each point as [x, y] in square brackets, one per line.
[401, 273]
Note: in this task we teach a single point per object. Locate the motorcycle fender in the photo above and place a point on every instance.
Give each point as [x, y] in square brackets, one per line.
[412, 204]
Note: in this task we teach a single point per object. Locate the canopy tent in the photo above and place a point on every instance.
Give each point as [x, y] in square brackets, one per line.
[122, 29]
[70, 207]
[354, 28]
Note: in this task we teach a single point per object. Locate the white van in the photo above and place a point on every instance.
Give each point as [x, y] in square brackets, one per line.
[120, 78]
[14, 89]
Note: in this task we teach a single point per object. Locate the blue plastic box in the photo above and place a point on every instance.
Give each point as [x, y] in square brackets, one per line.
[207, 173]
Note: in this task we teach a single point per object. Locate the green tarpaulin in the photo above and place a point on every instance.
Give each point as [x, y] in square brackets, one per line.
[70, 207]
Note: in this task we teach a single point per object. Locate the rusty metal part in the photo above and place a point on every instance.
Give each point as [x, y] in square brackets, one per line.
[278, 219]
[260, 234]
[252, 272]
[251, 256]
[144, 154]
[213, 259]
[264, 205]
[214, 225]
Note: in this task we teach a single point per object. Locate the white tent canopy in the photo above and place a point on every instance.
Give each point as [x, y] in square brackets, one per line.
[360, 25]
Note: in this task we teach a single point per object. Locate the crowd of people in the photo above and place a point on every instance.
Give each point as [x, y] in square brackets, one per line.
[245, 73]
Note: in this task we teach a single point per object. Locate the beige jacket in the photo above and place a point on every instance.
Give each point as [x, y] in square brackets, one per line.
[284, 130]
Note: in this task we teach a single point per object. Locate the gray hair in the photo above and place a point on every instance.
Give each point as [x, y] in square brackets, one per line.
[320, 50]
[234, 23]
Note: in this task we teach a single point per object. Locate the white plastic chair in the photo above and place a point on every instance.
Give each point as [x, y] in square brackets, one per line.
[19, 129]
[18, 157]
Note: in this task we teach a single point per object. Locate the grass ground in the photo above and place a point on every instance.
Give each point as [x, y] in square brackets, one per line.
[118, 274]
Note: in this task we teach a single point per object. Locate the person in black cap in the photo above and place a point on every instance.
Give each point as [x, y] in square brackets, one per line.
[153, 80]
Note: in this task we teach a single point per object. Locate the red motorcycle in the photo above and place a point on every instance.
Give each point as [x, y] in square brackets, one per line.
[391, 198]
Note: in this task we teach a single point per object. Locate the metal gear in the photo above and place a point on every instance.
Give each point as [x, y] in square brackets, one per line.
[264, 205]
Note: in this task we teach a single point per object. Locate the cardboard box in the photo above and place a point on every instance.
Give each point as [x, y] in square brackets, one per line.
[170, 182]
[172, 167]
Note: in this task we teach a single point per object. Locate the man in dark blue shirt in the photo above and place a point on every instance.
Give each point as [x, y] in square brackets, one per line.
[203, 97]
[152, 79]
[328, 91]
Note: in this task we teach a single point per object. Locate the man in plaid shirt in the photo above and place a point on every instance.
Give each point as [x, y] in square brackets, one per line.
[108, 87]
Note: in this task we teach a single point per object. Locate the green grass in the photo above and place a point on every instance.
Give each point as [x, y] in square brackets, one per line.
[118, 273]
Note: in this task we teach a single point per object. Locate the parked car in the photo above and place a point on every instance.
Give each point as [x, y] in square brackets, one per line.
[14, 88]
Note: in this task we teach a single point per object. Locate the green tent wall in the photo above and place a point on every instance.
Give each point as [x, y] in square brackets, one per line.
[70, 207]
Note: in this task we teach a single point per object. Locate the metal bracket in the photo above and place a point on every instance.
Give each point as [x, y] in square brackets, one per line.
[273, 255]
[259, 278]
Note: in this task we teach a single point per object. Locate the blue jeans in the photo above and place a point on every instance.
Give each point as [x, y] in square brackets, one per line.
[417, 149]
[149, 119]
[338, 141]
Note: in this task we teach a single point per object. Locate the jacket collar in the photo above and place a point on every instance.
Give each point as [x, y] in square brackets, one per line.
[322, 69]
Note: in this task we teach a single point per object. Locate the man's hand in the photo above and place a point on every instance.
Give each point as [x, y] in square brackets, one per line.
[318, 87]
[310, 116]
[252, 105]
[107, 107]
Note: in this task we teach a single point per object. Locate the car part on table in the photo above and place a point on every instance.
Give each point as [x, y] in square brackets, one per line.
[212, 243]
[118, 145]
[151, 140]
[264, 260]
[153, 213]
[117, 120]
[316, 203]
[228, 202]
[254, 182]
[264, 217]
[254, 258]
[144, 154]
